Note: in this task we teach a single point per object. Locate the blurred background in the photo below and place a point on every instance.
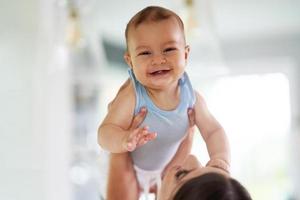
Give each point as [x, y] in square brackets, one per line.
[61, 62]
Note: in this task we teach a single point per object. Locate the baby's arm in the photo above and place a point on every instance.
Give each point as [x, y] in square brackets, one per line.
[114, 134]
[213, 134]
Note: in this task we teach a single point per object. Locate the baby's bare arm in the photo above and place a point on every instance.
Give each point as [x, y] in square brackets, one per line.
[213, 134]
[116, 133]
[114, 127]
[121, 89]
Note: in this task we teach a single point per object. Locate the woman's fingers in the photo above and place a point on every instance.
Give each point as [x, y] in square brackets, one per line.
[191, 115]
[138, 119]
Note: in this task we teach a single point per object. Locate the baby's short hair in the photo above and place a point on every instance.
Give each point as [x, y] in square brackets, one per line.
[151, 14]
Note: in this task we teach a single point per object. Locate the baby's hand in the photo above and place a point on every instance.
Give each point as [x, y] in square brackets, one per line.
[138, 135]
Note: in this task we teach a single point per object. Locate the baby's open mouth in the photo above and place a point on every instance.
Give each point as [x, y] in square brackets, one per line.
[160, 72]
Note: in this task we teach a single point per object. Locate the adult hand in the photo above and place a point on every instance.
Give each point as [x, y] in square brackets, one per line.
[192, 120]
[138, 136]
[185, 147]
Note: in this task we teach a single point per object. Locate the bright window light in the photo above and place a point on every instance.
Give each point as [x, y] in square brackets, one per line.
[255, 113]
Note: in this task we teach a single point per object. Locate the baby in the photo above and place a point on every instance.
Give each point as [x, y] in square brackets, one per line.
[157, 56]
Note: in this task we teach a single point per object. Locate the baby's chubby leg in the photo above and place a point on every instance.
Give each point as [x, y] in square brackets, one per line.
[122, 182]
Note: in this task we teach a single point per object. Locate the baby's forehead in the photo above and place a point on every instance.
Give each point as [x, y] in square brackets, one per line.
[170, 24]
[150, 22]
[153, 19]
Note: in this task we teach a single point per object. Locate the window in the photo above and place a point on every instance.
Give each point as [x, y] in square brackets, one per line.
[255, 113]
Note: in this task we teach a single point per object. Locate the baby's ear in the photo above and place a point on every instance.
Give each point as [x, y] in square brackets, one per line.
[186, 52]
[127, 59]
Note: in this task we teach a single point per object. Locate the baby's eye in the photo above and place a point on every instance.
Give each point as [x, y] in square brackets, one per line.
[181, 173]
[144, 53]
[169, 49]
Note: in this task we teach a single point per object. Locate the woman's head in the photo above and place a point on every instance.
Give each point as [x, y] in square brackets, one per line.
[212, 186]
[193, 181]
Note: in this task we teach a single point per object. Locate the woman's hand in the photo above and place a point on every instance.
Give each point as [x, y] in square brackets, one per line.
[185, 147]
[138, 136]
[192, 120]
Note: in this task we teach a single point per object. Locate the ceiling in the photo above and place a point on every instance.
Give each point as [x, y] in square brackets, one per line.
[230, 18]
[254, 21]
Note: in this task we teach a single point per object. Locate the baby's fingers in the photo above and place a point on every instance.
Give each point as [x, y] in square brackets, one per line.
[134, 137]
[130, 146]
[150, 136]
[131, 141]
[146, 138]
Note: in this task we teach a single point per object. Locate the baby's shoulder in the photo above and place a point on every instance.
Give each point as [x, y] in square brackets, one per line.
[126, 89]
[125, 96]
[199, 98]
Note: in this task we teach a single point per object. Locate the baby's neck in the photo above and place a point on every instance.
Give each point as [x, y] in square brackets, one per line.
[167, 99]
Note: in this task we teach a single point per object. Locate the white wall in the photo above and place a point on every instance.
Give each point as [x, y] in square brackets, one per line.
[34, 108]
[19, 152]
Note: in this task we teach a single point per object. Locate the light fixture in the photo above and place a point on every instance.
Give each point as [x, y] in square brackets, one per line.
[202, 37]
[73, 32]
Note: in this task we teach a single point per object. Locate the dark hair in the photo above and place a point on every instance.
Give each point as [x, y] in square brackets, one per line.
[212, 186]
[151, 14]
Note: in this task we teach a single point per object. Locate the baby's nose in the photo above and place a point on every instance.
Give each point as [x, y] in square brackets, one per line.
[158, 59]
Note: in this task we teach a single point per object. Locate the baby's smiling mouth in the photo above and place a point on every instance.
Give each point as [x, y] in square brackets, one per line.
[159, 72]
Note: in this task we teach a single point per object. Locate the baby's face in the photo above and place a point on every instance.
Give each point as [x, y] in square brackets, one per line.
[157, 53]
